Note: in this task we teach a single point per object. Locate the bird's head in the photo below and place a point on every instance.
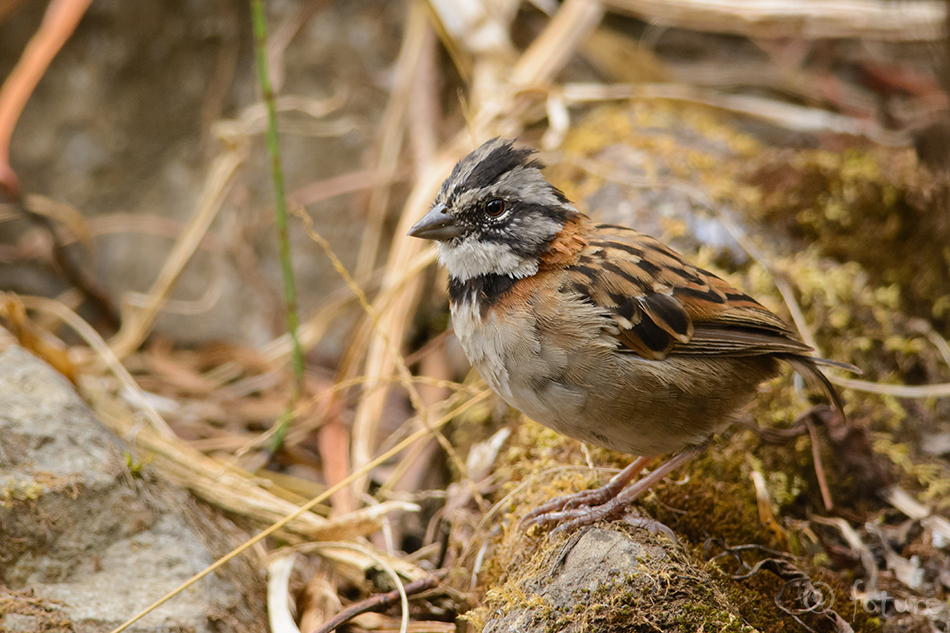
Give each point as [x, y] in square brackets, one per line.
[495, 214]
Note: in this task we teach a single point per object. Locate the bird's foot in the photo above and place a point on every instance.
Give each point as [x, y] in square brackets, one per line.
[610, 501]
[577, 516]
[583, 502]
[652, 526]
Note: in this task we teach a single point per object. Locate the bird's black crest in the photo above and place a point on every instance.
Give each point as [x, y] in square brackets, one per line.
[500, 161]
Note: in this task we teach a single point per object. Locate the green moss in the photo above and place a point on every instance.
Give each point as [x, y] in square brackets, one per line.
[40, 484]
[876, 208]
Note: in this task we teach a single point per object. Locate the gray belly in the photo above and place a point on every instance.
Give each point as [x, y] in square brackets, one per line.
[641, 407]
[586, 388]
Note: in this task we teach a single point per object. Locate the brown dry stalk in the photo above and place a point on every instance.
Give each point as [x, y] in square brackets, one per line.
[501, 112]
[406, 569]
[392, 131]
[920, 20]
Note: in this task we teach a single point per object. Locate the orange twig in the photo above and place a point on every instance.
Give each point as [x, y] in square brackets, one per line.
[58, 25]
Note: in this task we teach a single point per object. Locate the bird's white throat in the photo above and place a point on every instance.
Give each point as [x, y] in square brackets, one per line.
[472, 258]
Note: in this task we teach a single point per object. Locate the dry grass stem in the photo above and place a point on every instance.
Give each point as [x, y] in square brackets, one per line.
[806, 19]
[764, 504]
[189, 307]
[405, 376]
[557, 43]
[790, 116]
[403, 567]
[279, 617]
[231, 488]
[497, 114]
[137, 322]
[390, 325]
[382, 357]
[393, 129]
[65, 215]
[105, 355]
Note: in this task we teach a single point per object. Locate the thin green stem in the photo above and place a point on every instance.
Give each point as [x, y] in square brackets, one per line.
[273, 148]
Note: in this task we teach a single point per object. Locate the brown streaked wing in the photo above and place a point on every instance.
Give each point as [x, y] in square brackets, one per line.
[664, 305]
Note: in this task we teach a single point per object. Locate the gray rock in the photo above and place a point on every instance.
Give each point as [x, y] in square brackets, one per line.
[611, 581]
[85, 538]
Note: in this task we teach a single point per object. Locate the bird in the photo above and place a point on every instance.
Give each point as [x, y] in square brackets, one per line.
[597, 331]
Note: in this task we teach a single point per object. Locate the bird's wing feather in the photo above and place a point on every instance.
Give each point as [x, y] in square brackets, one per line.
[663, 305]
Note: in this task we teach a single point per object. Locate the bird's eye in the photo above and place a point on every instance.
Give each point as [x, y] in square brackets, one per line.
[495, 207]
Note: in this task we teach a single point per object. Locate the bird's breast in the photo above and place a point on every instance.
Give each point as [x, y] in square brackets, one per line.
[555, 357]
[534, 345]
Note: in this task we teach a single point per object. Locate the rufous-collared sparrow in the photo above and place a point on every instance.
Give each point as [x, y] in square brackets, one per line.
[597, 331]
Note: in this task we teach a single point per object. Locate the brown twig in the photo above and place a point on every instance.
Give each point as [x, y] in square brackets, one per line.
[379, 602]
[58, 25]
[819, 466]
[795, 429]
[73, 272]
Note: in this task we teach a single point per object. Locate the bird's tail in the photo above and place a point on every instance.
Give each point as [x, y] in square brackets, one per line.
[808, 368]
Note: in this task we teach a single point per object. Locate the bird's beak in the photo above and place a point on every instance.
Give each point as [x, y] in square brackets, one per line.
[438, 224]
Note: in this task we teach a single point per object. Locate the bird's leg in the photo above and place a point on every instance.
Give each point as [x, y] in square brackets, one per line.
[590, 506]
